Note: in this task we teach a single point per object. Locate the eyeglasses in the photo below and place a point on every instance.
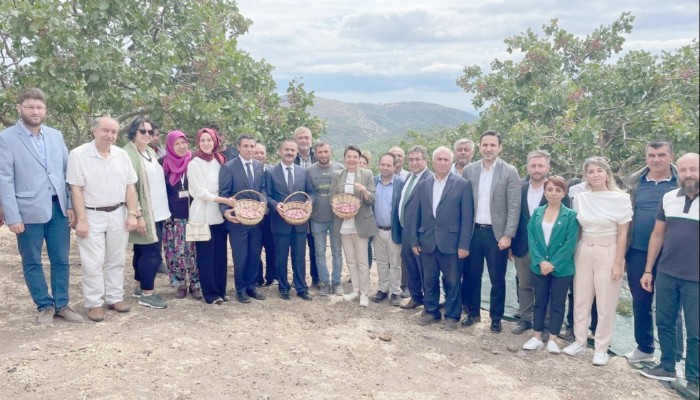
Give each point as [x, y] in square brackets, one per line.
[33, 108]
[146, 131]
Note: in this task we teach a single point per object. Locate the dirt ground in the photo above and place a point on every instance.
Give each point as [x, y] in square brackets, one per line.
[276, 349]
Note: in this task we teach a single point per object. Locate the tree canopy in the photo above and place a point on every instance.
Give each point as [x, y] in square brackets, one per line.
[176, 61]
[578, 97]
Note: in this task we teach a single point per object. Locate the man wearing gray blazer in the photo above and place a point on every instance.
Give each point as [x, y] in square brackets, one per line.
[33, 159]
[496, 189]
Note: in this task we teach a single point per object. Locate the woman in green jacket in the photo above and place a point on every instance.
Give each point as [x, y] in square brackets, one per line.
[552, 234]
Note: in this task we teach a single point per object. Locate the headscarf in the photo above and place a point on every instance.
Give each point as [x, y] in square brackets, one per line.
[215, 151]
[173, 165]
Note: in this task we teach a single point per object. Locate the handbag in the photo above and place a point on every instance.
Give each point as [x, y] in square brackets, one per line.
[197, 232]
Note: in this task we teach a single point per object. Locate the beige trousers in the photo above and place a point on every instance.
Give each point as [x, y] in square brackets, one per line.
[388, 256]
[594, 258]
[355, 249]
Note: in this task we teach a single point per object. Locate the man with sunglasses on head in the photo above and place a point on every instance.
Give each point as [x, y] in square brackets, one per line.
[36, 205]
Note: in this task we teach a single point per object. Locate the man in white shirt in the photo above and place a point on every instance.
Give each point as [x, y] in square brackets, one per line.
[463, 154]
[398, 169]
[496, 187]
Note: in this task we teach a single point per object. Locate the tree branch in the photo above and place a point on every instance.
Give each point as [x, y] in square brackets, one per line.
[134, 113]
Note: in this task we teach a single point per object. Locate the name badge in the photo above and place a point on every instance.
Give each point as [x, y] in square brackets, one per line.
[183, 194]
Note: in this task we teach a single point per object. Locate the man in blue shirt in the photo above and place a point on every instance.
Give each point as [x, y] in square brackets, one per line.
[386, 252]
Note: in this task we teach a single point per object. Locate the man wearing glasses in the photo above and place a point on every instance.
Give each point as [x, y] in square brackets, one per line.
[35, 202]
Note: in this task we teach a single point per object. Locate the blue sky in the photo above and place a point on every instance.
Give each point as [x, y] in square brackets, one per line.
[405, 50]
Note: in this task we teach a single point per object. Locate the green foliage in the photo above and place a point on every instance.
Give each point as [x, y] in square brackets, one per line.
[574, 97]
[176, 61]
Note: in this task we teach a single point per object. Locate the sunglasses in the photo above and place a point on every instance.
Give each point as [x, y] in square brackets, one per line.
[146, 131]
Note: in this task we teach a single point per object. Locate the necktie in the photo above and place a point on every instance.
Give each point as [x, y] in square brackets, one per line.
[249, 171]
[411, 182]
[290, 179]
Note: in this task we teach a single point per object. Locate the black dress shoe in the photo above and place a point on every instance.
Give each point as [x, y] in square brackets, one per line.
[521, 327]
[380, 296]
[243, 297]
[471, 320]
[256, 295]
[411, 305]
[305, 296]
[496, 327]
[284, 295]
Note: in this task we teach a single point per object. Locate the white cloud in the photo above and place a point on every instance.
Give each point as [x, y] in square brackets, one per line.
[411, 47]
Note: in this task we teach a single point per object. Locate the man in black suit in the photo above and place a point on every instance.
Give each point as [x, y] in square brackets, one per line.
[306, 157]
[282, 180]
[241, 173]
[441, 221]
[410, 264]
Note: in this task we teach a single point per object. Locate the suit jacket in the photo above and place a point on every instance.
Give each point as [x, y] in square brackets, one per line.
[505, 196]
[396, 228]
[562, 242]
[364, 220]
[519, 245]
[277, 191]
[24, 181]
[451, 228]
[233, 179]
[397, 185]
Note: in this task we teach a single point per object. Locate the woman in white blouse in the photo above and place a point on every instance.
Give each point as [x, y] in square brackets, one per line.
[604, 213]
[203, 177]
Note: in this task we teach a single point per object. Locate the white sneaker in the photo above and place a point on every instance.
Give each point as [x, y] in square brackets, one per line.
[574, 349]
[639, 356]
[552, 347]
[533, 344]
[351, 297]
[364, 300]
[680, 371]
[600, 358]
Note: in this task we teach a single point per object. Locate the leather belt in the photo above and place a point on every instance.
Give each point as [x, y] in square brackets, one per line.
[384, 228]
[106, 209]
[483, 227]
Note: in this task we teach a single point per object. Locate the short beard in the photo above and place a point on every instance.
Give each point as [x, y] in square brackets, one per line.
[691, 186]
[30, 124]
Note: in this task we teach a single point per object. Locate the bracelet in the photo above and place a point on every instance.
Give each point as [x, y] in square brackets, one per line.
[647, 272]
[134, 213]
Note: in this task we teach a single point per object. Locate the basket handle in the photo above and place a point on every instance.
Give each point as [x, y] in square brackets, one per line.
[235, 196]
[345, 184]
[308, 198]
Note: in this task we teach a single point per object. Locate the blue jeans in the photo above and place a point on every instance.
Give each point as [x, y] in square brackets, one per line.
[320, 231]
[56, 233]
[672, 294]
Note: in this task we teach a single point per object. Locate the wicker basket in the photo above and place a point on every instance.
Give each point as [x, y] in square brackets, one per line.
[250, 211]
[300, 210]
[344, 205]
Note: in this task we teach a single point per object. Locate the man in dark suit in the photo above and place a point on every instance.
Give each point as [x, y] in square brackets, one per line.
[282, 180]
[268, 277]
[305, 158]
[441, 222]
[496, 190]
[241, 173]
[410, 264]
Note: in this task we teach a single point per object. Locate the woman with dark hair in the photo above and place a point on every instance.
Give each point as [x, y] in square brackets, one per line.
[355, 231]
[153, 202]
[203, 176]
[179, 254]
[604, 213]
[552, 235]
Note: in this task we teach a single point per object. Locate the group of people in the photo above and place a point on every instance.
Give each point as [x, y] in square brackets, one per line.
[430, 231]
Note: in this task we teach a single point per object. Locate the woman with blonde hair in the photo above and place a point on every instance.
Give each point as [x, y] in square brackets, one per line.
[604, 213]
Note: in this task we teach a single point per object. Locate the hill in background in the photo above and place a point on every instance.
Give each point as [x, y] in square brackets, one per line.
[379, 126]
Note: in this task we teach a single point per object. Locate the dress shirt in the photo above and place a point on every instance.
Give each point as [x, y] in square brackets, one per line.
[245, 168]
[39, 146]
[483, 207]
[286, 173]
[438, 188]
[382, 204]
[534, 196]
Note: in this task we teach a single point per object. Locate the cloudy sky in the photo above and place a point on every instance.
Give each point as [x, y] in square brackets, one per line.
[405, 50]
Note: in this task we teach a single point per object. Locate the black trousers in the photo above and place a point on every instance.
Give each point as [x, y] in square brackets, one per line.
[284, 244]
[147, 260]
[412, 268]
[212, 264]
[246, 245]
[550, 291]
[313, 269]
[485, 247]
[433, 264]
[268, 243]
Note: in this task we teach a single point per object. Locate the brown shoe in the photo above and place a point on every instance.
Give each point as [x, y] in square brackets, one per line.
[96, 314]
[181, 292]
[411, 305]
[69, 315]
[196, 293]
[120, 307]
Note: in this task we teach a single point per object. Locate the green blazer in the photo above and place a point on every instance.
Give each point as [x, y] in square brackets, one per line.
[562, 242]
[143, 196]
[364, 220]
